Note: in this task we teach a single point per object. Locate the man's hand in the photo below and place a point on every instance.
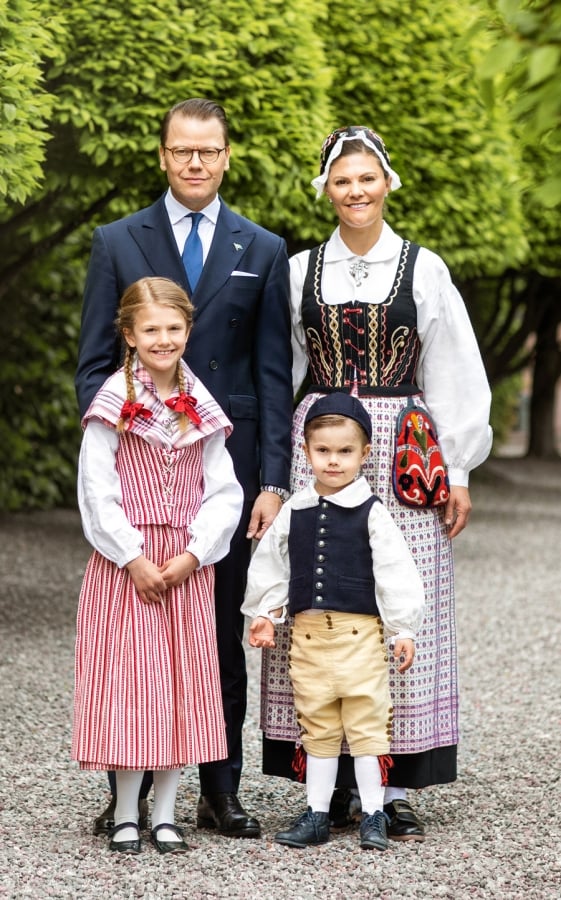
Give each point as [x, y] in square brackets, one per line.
[457, 511]
[266, 507]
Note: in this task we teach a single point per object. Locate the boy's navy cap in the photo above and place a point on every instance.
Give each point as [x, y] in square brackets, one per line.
[340, 404]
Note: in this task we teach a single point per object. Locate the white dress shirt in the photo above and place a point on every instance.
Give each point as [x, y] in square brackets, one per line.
[182, 226]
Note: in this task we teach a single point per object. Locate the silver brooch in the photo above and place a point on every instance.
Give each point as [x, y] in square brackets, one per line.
[359, 271]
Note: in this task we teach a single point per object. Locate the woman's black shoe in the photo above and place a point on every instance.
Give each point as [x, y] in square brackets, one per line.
[404, 825]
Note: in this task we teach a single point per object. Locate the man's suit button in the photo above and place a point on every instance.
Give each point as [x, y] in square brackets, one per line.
[234, 323]
[213, 365]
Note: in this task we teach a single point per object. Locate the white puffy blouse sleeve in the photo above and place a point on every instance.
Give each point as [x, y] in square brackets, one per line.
[269, 570]
[399, 590]
[298, 269]
[214, 525]
[450, 370]
[100, 499]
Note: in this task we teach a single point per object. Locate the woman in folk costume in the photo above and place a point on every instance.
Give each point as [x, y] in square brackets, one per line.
[159, 503]
[378, 316]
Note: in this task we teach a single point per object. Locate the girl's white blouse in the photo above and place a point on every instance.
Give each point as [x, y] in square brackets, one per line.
[105, 524]
[450, 371]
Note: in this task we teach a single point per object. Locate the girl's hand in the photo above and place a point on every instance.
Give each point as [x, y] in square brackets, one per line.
[404, 647]
[177, 569]
[147, 579]
[262, 633]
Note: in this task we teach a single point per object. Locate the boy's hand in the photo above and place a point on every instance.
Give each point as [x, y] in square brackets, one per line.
[177, 569]
[404, 647]
[262, 633]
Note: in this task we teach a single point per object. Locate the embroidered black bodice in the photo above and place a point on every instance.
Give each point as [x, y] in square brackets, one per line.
[375, 345]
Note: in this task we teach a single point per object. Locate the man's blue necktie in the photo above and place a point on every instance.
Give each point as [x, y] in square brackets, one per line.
[193, 251]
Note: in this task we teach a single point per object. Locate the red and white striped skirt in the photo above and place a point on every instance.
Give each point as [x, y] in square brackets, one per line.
[147, 688]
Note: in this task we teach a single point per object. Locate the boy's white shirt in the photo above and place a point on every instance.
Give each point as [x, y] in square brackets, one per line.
[399, 590]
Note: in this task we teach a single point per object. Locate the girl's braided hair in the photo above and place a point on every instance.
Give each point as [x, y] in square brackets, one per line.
[147, 291]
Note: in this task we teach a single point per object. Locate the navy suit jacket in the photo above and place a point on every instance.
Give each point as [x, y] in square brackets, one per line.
[240, 342]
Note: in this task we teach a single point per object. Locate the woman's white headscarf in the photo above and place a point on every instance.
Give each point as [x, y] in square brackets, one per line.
[333, 145]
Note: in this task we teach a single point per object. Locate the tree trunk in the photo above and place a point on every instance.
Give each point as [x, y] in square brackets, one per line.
[547, 369]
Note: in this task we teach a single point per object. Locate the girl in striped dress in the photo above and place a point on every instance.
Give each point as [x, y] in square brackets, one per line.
[159, 503]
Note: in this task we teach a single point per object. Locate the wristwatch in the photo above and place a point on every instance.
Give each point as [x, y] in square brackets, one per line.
[280, 492]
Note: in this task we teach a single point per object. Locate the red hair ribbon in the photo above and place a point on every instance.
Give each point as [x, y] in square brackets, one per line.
[131, 410]
[185, 403]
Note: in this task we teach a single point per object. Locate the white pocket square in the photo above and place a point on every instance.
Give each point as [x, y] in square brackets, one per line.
[245, 274]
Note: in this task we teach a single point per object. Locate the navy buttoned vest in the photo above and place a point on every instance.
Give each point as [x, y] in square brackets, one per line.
[331, 559]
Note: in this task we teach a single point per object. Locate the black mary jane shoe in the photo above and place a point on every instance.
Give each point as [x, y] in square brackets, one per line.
[404, 824]
[124, 846]
[178, 846]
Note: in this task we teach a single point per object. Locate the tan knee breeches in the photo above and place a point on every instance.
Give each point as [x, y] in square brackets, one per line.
[339, 672]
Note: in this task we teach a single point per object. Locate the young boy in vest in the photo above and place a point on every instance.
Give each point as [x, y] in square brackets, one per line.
[335, 560]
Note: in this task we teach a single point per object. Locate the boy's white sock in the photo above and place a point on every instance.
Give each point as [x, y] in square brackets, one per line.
[321, 775]
[369, 781]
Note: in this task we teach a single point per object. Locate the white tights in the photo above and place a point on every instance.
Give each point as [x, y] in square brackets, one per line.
[128, 790]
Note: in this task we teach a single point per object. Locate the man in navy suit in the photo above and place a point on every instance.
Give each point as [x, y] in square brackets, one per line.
[240, 349]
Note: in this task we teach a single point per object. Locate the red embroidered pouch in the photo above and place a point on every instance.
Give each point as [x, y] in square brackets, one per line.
[419, 472]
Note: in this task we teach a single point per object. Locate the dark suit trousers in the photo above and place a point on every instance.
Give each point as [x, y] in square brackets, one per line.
[231, 579]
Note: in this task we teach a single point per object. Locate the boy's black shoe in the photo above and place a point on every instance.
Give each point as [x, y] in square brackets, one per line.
[373, 831]
[309, 828]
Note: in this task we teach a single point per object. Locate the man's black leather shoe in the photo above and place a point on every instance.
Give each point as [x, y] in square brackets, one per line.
[106, 821]
[404, 824]
[225, 813]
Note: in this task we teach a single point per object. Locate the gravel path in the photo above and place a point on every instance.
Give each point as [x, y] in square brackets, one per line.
[493, 834]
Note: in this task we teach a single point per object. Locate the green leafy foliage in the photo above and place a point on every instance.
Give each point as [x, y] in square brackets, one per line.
[27, 38]
[413, 81]
[83, 87]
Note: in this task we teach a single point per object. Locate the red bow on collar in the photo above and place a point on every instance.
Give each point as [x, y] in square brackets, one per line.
[185, 403]
[131, 410]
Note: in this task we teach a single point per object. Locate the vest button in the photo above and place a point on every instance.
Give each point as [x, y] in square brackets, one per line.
[323, 517]
[319, 585]
[323, 531]
[321, 557]
[321, 543]
[318, 599]
[319, 571]
[213, 365]
[324, 505]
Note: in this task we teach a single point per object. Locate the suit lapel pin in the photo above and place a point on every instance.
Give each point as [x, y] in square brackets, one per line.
[238, 247]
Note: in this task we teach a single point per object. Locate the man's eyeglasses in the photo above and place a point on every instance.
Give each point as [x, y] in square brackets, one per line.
[185, 154]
